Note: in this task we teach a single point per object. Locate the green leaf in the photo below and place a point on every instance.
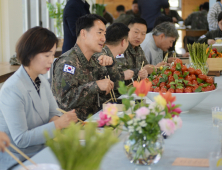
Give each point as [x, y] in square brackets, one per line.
[162, 80]
[185, 81]
[199, 80]
[199, 89]
[131, 91]
[186, 74]
[171, 83]
[169, 73]
[126, 103]
[215, 84]
[178, 66]
[172, 87]
[179, 87]
[175, 76]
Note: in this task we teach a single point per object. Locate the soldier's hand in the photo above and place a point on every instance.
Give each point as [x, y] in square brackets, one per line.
[105, 85]
[211, 41]
[105, 60]
[66, 119]
[143, 74]
[4, 141]
[174, 19]
[128, 74]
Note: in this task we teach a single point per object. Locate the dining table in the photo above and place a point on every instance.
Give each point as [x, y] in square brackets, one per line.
[6, 70]
[196, 139]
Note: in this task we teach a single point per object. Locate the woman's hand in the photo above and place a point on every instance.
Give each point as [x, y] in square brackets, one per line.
[4, 141]
[66, 119]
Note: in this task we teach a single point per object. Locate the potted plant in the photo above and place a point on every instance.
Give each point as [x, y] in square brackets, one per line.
[56, 12]
[98, 8]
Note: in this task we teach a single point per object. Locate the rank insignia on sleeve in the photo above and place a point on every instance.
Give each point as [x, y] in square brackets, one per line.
[69, 69]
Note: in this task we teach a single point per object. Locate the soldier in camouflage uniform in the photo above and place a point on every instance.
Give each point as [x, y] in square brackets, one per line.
[134, 55]
[116, 43]
[198, 21]
[123, 17]
[78, 78]
[14, 61]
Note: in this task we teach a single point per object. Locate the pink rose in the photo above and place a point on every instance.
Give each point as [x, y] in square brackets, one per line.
[104, 120]
[178, 122]
[167, 125]
[142, 112]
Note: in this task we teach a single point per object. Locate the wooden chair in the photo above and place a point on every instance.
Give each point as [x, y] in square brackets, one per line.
[193, 33]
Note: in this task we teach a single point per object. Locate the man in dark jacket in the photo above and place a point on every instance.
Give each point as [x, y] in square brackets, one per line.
[73, 10]
[209, 37]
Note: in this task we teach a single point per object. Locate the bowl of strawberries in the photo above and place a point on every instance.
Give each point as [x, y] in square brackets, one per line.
[189, 85]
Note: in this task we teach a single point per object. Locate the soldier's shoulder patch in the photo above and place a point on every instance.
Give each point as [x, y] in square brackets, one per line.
[69, 69]
[203, 36]
[120, 56]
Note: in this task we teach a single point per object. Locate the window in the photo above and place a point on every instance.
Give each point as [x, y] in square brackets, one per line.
[175, 4]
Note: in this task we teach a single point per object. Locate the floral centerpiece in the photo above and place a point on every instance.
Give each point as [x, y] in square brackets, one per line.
[146, 122]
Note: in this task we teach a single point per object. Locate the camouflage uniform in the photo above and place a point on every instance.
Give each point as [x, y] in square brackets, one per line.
[172, 14]
[210, 35]
[197, 20]
[130, 12]
[79, 90]
[116, 74]
[133, 59]
[123, 18]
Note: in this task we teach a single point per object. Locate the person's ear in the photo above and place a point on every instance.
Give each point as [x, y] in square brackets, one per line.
[83, 33]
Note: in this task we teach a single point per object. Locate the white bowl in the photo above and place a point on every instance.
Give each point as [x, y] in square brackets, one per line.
[42, 167]
[186, 100]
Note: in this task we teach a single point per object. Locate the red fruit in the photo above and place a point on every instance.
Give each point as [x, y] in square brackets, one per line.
[151, 89]
[198, 71]
[193, 77]
[176, 72]
[157, 89]
[184, 72]
[171, 78]
[194, 82]
[173, 68]
[184, 68]
[155, 82]
[208, 88]
[178, 61]
[187, 90]
[168, 85]
[203, 89]
[191, 70]
[209, 80]
[189, 83]
[163, 89]
[195, 87]
[171, 90]
[201, 84]
[162, 84]
[167, 72]
[202, 76]
[179, 90]
[189, 78]
[213, 86]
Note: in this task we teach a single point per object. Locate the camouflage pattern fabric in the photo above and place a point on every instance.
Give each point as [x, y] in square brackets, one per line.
[197, 20]
[123, 18]
[116, 74]
[133, 59]
[130, 12]
[14, 61]
[74, 83]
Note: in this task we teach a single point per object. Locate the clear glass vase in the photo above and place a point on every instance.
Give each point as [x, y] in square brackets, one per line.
[204, 67]
[144, 152]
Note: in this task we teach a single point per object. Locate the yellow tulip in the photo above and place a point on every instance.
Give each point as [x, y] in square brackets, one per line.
[160, 100]
[114, 120]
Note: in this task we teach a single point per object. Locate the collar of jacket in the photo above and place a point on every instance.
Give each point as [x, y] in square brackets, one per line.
[82, 59]
[108, 52]
[133, 50]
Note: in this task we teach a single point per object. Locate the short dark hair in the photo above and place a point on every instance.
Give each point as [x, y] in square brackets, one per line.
[34, 41]
[206, 6]
[87, 21]
[201, 7]
[135, 2]
[219, 17]
[120, 8]
[162, 19]
[115, 33]
[136, 20]
[167, 5]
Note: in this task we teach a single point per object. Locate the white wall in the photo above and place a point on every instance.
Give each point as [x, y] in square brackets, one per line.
[11, 27]
[212, 2]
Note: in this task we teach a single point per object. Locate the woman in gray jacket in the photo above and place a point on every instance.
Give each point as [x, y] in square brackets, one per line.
[27, 106]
